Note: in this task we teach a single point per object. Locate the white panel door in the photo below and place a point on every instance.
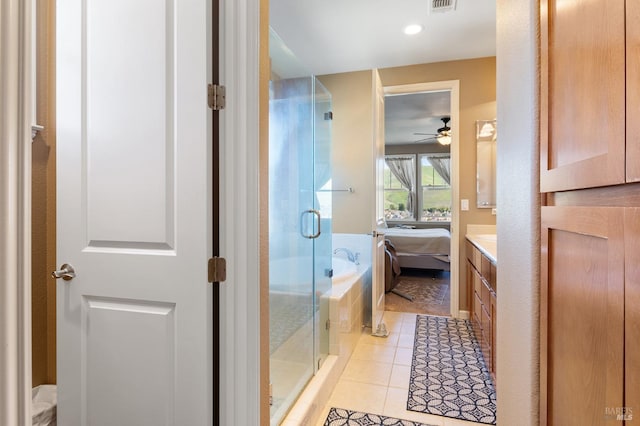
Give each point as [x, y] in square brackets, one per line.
[378, 253]
[134, 216]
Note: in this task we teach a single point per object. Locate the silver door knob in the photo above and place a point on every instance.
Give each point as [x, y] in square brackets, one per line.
[66, 272]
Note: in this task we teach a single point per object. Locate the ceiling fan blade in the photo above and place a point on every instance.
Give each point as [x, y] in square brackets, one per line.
[427, 134]
[431, 139]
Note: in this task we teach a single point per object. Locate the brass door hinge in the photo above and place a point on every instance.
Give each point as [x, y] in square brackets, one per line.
[216, 96]
[217, 269]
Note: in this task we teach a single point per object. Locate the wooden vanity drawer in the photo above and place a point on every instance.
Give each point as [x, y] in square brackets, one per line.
[494, 278]
[477, 283]
[477, 258]
[477, 309]
[486, 295]
[469, 249]
[485, 267]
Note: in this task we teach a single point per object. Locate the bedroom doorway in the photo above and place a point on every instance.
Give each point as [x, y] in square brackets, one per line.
[420, 196]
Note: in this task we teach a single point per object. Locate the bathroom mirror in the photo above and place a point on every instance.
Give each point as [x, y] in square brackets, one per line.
[486, 137]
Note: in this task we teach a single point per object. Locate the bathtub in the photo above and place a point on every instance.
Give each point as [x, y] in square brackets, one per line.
[297, 274]
[343, 270]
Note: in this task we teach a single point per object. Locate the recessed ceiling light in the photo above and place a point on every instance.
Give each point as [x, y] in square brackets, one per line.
[412, 29]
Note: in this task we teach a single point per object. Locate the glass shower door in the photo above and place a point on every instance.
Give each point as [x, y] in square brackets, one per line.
[323, 197]
[299, 227]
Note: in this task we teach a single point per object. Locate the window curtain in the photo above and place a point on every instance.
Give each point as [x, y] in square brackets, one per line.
[442, 165]
[404, 169]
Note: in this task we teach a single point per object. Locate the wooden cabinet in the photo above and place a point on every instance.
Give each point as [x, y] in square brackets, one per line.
[481, 278]
[582, 94]
[582, 313]
[590, 219]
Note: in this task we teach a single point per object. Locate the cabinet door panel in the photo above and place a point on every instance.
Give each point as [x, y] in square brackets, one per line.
[582, 117]
[632, 309]
[582, 314]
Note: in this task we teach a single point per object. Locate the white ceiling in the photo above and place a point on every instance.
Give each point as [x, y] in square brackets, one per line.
[334, 36]
[405, 115]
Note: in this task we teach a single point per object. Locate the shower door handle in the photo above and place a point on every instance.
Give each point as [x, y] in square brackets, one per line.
[302, 227]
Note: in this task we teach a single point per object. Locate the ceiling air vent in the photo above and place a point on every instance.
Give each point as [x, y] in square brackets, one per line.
[442, 5]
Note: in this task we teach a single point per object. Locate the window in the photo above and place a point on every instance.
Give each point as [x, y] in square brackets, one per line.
[406, 201]
[399, 184]
[435, 171]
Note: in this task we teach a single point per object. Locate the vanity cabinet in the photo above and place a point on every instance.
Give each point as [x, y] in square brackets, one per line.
[481, 282]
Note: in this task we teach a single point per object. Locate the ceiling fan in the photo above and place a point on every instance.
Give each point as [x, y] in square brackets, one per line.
[443, 136]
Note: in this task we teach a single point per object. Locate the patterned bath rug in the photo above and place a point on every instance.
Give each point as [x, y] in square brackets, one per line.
[448, 374]
[342, 417]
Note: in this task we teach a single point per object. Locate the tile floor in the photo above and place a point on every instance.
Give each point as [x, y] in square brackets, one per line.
[376, 379]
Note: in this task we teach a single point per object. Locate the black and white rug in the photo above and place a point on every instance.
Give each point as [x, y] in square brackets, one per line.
[448, 374]
[342, 417]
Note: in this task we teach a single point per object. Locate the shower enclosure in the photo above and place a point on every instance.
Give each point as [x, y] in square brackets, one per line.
[299, 227]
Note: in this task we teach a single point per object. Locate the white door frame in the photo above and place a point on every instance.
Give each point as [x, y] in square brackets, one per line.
[15, 214]
[240, 213]
[453, 86]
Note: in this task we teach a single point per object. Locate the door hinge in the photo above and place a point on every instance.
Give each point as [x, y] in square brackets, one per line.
[217, 269]
[216, 97]
[327, 325]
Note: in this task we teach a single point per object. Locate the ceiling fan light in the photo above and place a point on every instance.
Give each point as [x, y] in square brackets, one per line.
[444, 139]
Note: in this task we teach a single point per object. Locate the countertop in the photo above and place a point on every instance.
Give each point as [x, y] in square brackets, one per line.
[487, 244]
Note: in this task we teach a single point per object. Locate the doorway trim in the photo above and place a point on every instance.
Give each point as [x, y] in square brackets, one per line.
[15, 216]
[453, 86]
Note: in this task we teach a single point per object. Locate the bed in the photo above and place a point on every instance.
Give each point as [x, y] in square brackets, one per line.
[421, 248]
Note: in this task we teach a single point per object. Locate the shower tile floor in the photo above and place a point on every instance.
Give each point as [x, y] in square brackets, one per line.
[376, 379]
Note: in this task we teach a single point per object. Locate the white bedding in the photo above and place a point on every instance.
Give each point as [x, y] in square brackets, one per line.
[420, 241]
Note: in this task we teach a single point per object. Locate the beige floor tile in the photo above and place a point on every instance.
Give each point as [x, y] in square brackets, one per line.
[408, 328]
[406, 340]
[374, 353]
[400, 375]
[404, 356]
[372, 372]
[409, 318]
[396, 406]
[376, 379]
[358, 396]
[390, 316]
[390, 340]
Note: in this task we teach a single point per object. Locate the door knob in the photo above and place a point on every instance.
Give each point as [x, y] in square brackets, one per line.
[66, 272]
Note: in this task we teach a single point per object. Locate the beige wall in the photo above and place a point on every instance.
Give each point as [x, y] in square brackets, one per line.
[352, 151]
[43, 291]
[353, 138]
